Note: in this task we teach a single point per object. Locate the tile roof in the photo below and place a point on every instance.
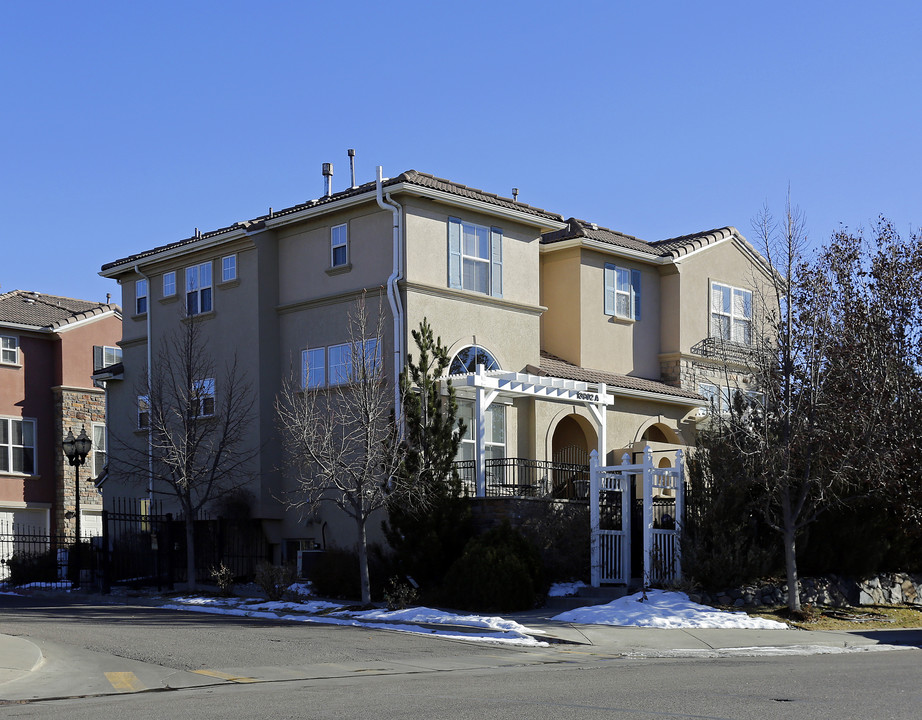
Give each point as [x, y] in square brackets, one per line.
[410, 177]
[551, 365]
[685, 244]
[21, 307]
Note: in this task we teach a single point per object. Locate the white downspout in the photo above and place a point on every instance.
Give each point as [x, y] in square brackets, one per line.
[150, 442]
[393, 292]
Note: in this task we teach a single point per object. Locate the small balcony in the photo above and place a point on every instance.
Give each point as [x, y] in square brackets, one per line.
[524, 478]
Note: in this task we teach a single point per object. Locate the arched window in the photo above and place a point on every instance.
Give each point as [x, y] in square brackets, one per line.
[467, 359]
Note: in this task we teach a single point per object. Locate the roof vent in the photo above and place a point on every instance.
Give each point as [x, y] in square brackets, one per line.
[351, 152]
[327, 170]
[515, 194]
[594, 226]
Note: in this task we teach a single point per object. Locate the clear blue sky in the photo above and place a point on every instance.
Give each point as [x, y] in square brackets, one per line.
[125, 125]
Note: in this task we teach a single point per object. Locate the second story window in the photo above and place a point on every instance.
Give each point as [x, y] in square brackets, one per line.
[9, 350]
[731, 313]
[143, 412]
[339, 246]
[104, 356]
[17, 446]
[342, 361]
[622, 292]
[140, 297]
[169, 284]
[475, 257]
[228, 268]
[99, 449]
[203, 397]
[198, 289]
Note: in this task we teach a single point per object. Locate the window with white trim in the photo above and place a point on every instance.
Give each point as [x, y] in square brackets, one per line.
[203, 398]
[140, 297]
[17, 446]
[622, 292]
[99, 449]
[9, 350]
[467, 359]
[228, 268]
[720, 399]
[494, 431]
[169, 283]
[731, 313]
[313, 368]
[143, 412]
[339, 246]
[105, 355]
[198, 289]
[333, 365]
[475, 257]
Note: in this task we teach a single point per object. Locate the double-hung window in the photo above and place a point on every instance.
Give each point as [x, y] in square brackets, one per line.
[313, 368]
[203, 398]
[339, 246]
[140, 297]
[143, 412]
[169, 283]
[99, 449]
[198, 289]
[494, 430]
[334, 365]
[475, 257]
[731, 313]
[228, 268]
[9, 350]
[105, 355]
[17, 446]
[622, 292]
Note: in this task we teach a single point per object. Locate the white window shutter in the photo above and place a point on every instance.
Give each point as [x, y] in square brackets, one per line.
[454, 252]
[610, 285]
[635, 293]
[496, 262]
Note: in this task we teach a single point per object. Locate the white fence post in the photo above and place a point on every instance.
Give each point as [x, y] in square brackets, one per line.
[594, 548]
[679, 510]
[647, 515]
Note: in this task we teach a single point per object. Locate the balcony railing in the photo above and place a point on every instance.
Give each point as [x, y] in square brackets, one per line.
[726, 350]
[524, 478]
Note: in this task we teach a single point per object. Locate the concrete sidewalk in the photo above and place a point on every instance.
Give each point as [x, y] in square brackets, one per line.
[18, 657]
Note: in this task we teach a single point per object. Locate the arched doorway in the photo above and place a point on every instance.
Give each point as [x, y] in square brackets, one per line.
[571, 443]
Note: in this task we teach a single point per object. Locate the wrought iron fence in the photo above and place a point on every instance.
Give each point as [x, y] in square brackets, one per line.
[33, 556]
[525, 478]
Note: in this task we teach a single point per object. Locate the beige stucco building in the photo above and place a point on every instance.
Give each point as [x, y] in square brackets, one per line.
[588, 338]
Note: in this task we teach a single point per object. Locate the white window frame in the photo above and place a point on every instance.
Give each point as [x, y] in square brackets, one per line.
[339, 244]
[493, 449]
[313, 368]
[333, 364]
[720, 397]
[141, 297]
[9, 350]
[7, 448]
[621, 291]
[738, 323]
[199, 289]
[486, 255]
[169, 283]
[143, 411]
[99, 448]
[228, 268]
[203, 397]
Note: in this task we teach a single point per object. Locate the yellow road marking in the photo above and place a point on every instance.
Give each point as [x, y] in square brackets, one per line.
[225, 676]
[125, 681]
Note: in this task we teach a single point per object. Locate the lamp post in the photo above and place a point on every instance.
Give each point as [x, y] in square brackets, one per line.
[76, 450]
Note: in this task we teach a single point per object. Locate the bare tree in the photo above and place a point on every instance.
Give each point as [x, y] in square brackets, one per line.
[341, 439]
[198, 419]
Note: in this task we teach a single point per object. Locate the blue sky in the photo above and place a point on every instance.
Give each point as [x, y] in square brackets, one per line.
[126, 125]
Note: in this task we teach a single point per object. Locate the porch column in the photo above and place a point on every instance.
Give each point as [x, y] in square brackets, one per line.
[647, 515]
[482, 402]
[599, 410]
[595, 560]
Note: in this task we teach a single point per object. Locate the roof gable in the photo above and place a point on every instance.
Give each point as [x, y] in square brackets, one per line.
[47, 312]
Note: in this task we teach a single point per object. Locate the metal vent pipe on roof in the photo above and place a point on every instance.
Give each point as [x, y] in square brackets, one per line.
[351, 152]
[328, 179]
[515, 194]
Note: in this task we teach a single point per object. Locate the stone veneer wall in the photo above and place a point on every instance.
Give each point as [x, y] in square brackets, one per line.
[75, 408]
[689, 372]
[830, 590]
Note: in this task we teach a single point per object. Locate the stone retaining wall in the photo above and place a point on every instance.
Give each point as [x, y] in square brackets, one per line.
[830, 590]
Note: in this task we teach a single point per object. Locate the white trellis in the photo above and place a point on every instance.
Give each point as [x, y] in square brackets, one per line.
[610, 548]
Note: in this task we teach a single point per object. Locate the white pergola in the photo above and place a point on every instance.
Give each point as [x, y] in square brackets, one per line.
[488, 385]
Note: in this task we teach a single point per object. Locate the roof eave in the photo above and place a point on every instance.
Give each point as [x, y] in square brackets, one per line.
[608, 249]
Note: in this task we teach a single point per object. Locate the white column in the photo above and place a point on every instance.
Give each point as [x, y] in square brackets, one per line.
[595, 559]
[679, 510]
[480, 440]
[647, 514]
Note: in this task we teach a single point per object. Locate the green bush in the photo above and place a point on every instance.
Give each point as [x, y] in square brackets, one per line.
[498, 571]
[561, 533]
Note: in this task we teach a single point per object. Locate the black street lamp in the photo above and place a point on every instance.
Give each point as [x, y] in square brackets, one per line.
[76, 450]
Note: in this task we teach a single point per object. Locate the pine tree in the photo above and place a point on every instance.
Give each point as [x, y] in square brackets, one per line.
[428, 537]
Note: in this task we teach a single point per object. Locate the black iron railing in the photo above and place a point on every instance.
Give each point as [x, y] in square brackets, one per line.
[525, 478]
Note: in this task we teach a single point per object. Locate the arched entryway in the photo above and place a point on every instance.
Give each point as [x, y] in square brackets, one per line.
[573, 439]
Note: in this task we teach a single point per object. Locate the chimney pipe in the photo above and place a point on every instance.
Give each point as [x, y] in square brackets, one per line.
[515, 194]
[328, 178]
[351, 152]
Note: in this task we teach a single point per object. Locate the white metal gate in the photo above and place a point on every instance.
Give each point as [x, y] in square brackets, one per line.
[611, 549]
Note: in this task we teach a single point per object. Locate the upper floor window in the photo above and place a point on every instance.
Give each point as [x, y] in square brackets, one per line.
[228, 268]
[143, 412]
[104, 356]
[731, 313]
[17, 446]
[339, 246]
[140, 297]
[169, 283]
[475, 257]
[721, 398]
[99, 449]
[198, 289]
[622, 292]
[9, 350]
[203, 398]
[340, 364]
[467, 359]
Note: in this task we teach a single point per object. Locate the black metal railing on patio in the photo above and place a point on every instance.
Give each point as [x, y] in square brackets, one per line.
[526, 478]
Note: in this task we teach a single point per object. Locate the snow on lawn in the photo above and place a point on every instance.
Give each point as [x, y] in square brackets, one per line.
[661, 609]
[416, 620]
